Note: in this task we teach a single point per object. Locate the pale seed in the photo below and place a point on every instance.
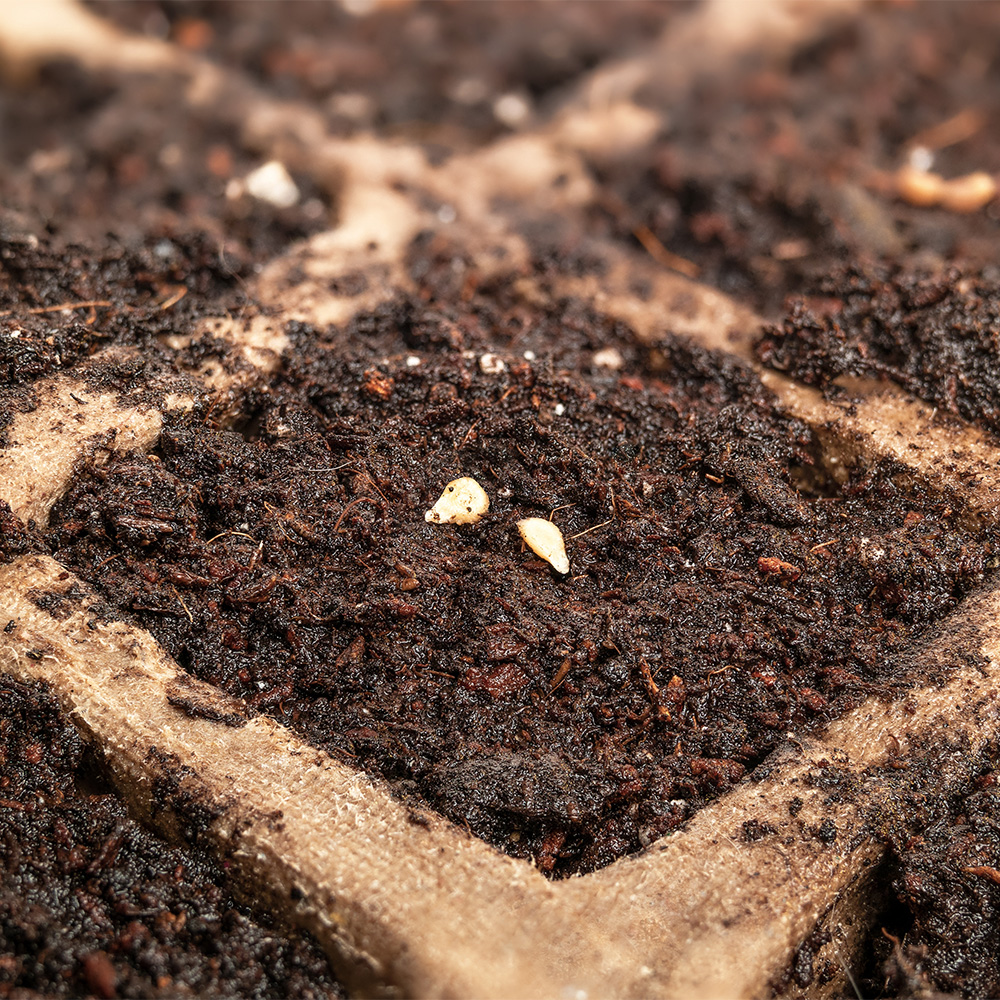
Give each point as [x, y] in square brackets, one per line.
[545, 540]
[463, 501]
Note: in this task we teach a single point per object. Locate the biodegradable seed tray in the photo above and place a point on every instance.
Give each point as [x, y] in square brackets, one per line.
[427, 338]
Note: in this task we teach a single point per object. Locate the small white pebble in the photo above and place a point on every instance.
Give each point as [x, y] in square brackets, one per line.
[545, 540]
[273, 183]
[511, 109]
[921, 158]
[491, 364]
[558, 409]
[609, 357]
[463, 501]
[529, 355]
[447, 214]
[412, 361]
[648, 489]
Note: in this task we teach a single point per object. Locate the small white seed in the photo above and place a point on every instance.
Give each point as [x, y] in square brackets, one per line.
[463, 501]
[545, 540]
[608, 357]
[273, 183]
[491, 364]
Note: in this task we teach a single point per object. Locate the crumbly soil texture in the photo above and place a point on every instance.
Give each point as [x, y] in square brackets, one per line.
[935, 334]
[710, 607]
[722, 591]
[944, 835]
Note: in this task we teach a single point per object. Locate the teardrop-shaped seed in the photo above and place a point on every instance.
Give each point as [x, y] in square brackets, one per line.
[545, 540]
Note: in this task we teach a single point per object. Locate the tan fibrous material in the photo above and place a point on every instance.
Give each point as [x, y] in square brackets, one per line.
[405, 901]
[49, 29]
[72, 422]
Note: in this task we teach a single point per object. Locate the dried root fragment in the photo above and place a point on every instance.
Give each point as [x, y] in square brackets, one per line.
[922, 188]
[969, 193]
[925, 189]
[463, 501]
[545, 540]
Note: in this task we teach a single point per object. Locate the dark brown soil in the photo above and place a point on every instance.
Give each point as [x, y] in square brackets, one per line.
[771, 172]
[710, 607]
[91, 904]
[425, 71]
[942, 826]
[934, 335]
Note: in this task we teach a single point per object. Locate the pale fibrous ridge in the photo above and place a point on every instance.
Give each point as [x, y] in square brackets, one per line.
[424, 909]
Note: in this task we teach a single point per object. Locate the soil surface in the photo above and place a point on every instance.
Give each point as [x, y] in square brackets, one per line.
[771, 172]
[943, 829]
[710, 607]
[721, 591]
[936, 335]
[420, 71]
